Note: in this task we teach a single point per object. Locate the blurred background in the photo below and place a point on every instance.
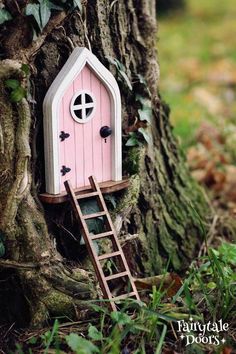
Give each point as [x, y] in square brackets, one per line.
[197, 55]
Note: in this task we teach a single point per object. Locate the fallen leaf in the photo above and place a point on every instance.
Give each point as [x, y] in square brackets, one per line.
[223, 72]
[192, 69]
[227, 350]
[170, 282]
[208, 100]
[209, 132]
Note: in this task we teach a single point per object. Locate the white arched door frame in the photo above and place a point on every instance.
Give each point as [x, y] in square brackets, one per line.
[51, 105]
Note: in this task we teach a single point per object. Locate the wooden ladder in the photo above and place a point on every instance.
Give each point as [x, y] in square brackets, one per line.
[110, 233]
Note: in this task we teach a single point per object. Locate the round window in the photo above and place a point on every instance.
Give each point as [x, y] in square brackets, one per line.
[82, 106]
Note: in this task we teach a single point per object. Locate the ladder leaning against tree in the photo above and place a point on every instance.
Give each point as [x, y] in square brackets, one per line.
[109, 233]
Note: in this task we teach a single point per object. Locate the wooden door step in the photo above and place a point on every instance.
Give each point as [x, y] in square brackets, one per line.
[106, 187]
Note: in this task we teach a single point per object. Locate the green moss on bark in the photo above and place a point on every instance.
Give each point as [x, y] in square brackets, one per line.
[59, 304]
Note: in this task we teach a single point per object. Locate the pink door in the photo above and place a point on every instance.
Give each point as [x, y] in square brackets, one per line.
[84, 110]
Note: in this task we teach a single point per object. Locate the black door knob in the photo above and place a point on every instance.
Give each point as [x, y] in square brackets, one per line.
[105, 131]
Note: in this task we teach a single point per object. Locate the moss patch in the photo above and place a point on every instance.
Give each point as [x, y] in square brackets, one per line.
[59, 304]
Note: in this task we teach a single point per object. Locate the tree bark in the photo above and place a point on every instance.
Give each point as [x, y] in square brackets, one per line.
[163, 211]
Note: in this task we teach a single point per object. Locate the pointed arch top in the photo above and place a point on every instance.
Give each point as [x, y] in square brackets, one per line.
[75, 63]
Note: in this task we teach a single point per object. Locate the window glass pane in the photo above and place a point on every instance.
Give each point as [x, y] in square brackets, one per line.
[88, 111]
[78, 100]
[88, 98]
[78, 113]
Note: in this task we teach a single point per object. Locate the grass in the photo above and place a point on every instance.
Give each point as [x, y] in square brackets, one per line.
[190, 43]
[208, 293]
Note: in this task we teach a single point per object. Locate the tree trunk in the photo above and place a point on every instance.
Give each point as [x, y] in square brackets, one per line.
[163, 210]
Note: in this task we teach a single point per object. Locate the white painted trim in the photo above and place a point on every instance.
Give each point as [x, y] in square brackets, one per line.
[80, 92]
[51, 105]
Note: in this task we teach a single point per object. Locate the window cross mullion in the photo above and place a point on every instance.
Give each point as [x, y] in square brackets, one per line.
[77, 106]
[89, 105]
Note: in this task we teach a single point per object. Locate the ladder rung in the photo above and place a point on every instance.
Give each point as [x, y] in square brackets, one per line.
[124, 296]
[102, 235]
[95, 215]
[86, 195]
[109, 255]
[115, 276]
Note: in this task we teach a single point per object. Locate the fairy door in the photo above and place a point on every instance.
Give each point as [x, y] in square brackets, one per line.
[82, 124]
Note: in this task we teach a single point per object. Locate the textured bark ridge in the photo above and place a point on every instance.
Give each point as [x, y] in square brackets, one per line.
[163, 209]
[29, 247]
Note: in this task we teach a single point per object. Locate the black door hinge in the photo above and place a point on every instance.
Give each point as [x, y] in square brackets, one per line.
[65, 170]
[64, 135]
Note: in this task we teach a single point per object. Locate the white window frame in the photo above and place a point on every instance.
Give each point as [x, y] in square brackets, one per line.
[82, 106]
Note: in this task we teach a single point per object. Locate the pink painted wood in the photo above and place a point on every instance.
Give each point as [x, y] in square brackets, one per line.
[68, 158]
[79, 141]
[106, 144]
[88, 129]
[85, 152]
